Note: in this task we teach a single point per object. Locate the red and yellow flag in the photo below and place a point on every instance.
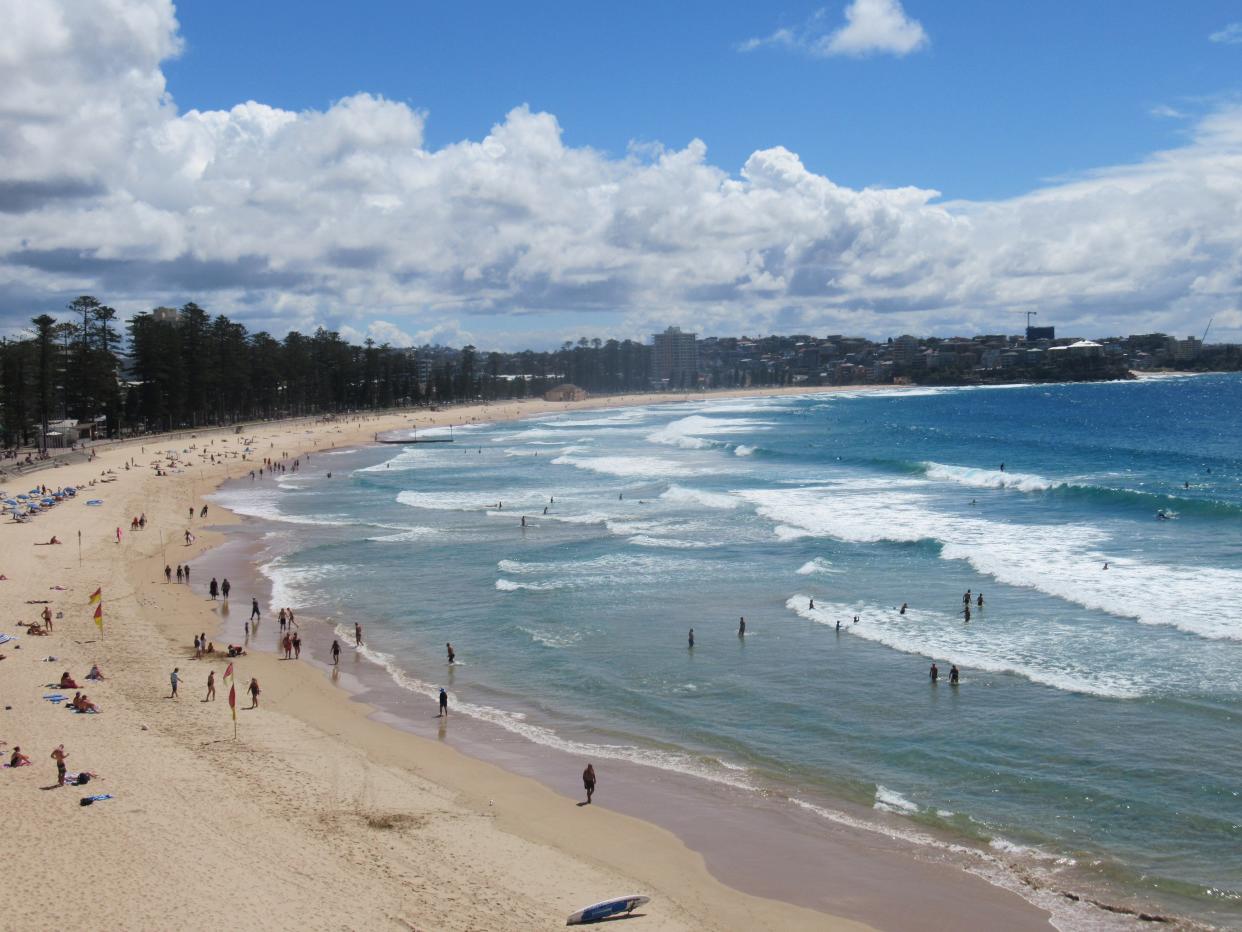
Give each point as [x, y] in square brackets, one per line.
[233, 701]
[99, 616]
[228, 675]
[97, 596]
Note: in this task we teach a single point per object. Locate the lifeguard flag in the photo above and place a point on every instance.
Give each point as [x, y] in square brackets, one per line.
[228, 675]
[97, 596]
[233, 701]
[99, 616]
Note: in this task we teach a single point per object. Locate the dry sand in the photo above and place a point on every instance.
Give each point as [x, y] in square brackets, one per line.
[316, 816]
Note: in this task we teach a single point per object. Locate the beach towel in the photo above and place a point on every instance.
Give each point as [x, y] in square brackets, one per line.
[5, 638]
[56, 698]
[91, 800]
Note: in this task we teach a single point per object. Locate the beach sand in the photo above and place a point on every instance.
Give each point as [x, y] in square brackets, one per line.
[316, 816]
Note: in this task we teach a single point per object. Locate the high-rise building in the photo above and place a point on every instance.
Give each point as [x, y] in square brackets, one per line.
[166, 315]
[676, 356]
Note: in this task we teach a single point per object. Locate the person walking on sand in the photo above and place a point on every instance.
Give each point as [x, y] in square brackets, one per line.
[167, 574]
[211, 687]
[46, 615]
[254, 610]
[336, 652]
[297, 646]
[187, 574]
[588, 781]
[287, 644]
[180, 574]
[213, 588]
[443, 704]
[174, 678]
[254, 691]
[59, 756]
[280, 619]
[188, 535]
[357, 635]
[118, 533]
[224, 588]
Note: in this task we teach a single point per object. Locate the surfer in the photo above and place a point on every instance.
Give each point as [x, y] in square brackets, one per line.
[741, 626]
[1106, 565]
[443, 704]
[523, 520]
[451, 656]
[588, 781]
[904, 606]
[1161, 516]
[838, 625]
[953, 675]
[1002, 469]
[691, 639]
[545, 509]
[812, 601]
[934, 672]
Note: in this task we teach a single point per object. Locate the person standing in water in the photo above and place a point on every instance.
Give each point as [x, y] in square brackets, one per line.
[934, 672]
[452, 657]
[224, 588]
[904, 606]
[336, 652]
[953, 675]
[254, 610]
[741, 628]
[443, 703]
[691, 638]
[357, 635]
[979, 600]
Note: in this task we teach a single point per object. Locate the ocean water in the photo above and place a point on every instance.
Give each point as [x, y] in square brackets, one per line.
[1095, 735]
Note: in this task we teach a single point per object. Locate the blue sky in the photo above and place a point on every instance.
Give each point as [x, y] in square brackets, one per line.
[1005, 96]
[514, 175]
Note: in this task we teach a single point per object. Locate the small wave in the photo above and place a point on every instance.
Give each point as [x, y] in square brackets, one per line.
[645, 540]
[681, 493]
[405, 534]
[704, 767]
[650, 467]
[818, 565]
[989, 478]
[556, 640]
[743, 450]
[887, 800]
[508, 585]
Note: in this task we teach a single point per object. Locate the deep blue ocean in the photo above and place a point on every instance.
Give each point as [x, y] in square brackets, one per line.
[1095, 733]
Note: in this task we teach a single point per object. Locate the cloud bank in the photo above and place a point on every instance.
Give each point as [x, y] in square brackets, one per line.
[345, 216]
[871, 27]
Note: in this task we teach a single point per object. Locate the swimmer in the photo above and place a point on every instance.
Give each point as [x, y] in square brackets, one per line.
[904, 606]
[979, 601]
[812, 602]
[953, 675]
[741, 628]
[934, 672]
[691, 639]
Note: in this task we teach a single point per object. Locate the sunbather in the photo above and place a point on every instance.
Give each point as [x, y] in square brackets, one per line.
[66, 681]
[96, 673]
[18, 759]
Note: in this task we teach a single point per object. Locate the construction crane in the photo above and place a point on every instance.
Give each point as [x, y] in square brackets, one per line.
[1206, 329]
[1029, 315]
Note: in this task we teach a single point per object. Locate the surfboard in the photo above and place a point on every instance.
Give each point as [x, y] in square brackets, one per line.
[613, 907]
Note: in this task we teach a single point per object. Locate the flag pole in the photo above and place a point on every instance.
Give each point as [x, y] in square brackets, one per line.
[79, 548]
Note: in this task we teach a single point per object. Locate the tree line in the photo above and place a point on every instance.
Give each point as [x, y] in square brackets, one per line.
[188, 369]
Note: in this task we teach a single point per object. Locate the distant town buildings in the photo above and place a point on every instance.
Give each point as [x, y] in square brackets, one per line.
[675, 358]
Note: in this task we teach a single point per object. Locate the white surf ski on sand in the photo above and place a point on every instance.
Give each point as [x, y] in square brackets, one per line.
[607, 908]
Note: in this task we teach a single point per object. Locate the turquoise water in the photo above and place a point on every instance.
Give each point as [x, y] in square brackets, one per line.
[1095, 733]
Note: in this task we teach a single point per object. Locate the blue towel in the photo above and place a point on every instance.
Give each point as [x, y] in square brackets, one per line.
[56, 698]
[100, 798]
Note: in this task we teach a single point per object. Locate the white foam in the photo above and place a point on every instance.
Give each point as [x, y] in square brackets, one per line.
[643, 467]
[1068, 657]
[406, 534]
[989, 478]
[887, 800]
[645, 540]
[818, 565]
[264, 503]
[684, 494]
[1063, 560]
[474, 501]
[689, 432]
[743, 450]
[408, 458]
[508, 585]
[516, 723]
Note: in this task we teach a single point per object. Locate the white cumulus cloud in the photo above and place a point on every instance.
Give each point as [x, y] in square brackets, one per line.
[871, 26]
[346, 216]
[1229, 35]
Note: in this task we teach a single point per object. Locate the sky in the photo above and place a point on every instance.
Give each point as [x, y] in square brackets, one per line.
[517, 175]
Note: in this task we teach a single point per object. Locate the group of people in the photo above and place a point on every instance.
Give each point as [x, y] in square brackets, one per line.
[217, 589]
[183, 574]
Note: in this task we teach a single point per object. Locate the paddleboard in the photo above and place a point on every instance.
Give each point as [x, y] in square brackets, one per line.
[614, 907]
